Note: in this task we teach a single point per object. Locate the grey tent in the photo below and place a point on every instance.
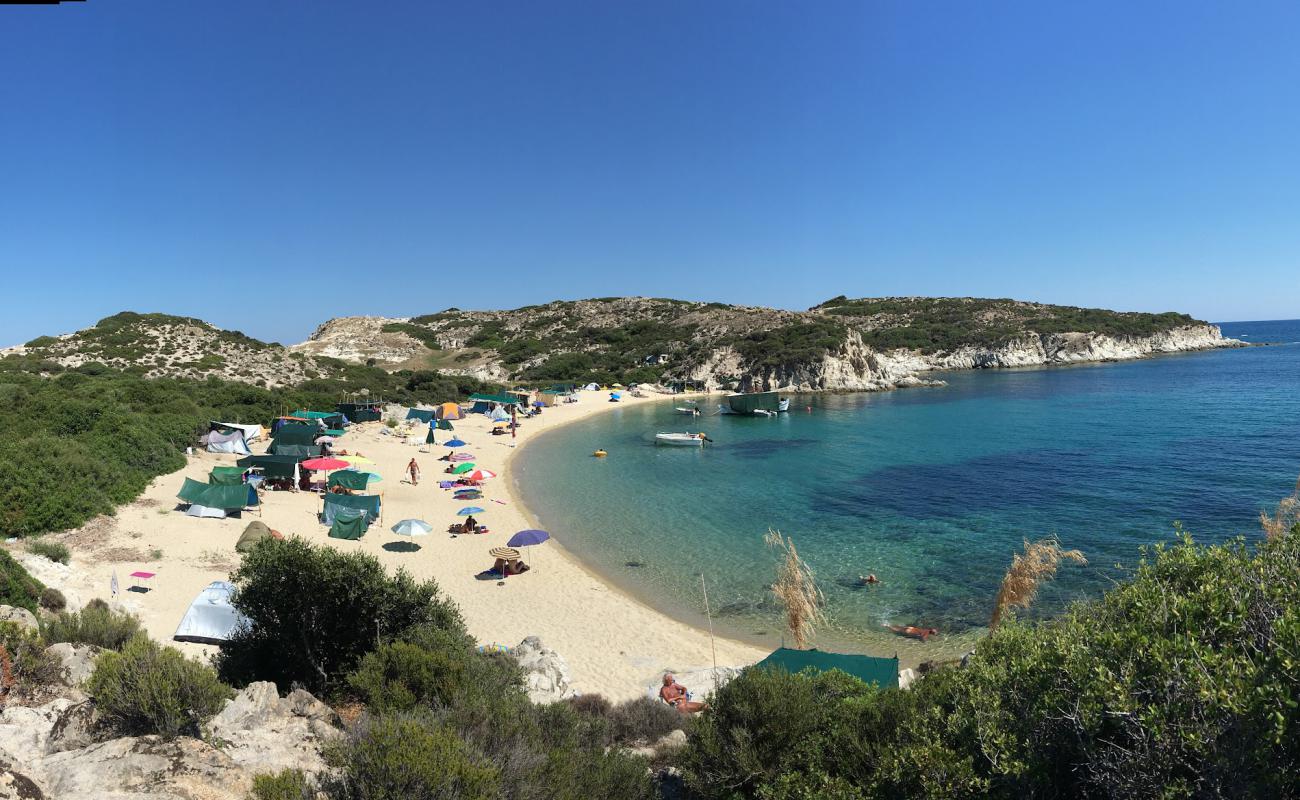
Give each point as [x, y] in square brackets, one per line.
[211, 619]
[229, 441]
[254, 533]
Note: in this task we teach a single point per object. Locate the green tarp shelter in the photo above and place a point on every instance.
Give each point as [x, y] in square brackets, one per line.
[254, 533]
[348, 479]
[226, 498]
[496, 398]
[445, 425]
[332, 419]
[349, 524]
[297, 451]
[422, 414]
[334, 432]
[297, 434]
[360, 412]
[881, 671]
[273, 466]
[226, 476]
[334, 503]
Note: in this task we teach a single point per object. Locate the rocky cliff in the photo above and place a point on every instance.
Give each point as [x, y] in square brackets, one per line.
[841, 345]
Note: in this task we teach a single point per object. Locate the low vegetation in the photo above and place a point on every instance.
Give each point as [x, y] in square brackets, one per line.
[54, 551]
[17, 587]
[96, 624]
[150, 689]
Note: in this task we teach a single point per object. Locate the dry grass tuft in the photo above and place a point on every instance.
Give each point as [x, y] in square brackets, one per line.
[796, 590]
[1284, 518]
[1029, 571]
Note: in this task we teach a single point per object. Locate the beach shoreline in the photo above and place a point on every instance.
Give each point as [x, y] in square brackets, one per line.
[613, 642]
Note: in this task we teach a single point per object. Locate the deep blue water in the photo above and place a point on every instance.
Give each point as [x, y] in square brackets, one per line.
[932, 490]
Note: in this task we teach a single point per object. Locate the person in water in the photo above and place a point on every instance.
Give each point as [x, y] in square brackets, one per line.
[675, 695]
[913, 631]
[867, 579]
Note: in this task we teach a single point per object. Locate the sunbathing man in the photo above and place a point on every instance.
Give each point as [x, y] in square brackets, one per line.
[675, 695]
[914, 632]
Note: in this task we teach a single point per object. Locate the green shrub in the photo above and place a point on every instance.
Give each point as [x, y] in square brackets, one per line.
[147, 688]
[643, 720]
[52, 599]
[17, 588]
[403, 757]
[28, 661]
[1180, 683]
[54, 551]
[289, 784]
[96, 624]
[315, 612]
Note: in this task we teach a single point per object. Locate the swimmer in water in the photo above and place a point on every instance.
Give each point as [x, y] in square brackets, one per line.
[912, 631]
[867, 579]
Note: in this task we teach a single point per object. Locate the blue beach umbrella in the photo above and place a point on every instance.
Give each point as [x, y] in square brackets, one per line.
[528, 538]
[467, 510]
[412, 527]
[454, 443]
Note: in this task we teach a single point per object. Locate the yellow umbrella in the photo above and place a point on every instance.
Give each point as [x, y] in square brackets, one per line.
[355, 459]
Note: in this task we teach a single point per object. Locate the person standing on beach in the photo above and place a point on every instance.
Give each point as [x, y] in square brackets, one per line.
[413, 469]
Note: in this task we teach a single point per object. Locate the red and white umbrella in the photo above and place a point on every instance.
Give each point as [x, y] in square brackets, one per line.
[479, 475]
[324, 464]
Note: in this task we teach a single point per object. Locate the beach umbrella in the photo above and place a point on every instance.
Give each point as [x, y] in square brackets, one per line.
[461, 468]
[372, 477]
[528, 538]
[454, 443]
[508, 553]
[355, 459]
[480, 474]
[325, 464]
[462, 457]
[467, 510]
[500, 424]
[412, 527]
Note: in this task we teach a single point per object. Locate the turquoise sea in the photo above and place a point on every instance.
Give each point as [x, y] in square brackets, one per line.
[932, 489]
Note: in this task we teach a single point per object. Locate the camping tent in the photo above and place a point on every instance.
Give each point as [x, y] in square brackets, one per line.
[422, 414]
[349, 524]
[881, 671]
[331, 419]
[226, 476]
[211, 619]
[591, 387]
[448, 411]
[251, 432]
[348, 479]
[254, 533]
[483, 401]
[229, 441]
[273, 466]
[209, 495]
[360, 412]
[296, 433]
[334, 503]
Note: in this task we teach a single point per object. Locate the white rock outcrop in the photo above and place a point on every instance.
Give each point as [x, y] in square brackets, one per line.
[19, 616]
[76, 661]
[546, 674]
[264, 732]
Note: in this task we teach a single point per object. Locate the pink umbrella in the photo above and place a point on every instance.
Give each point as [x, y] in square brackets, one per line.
[479, 475]
[325, 464]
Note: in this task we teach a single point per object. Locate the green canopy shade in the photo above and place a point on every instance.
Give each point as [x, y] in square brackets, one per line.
[297, 434]
[334, 432]
[297, 451]
[495, 398]
[349, 525]
[336, 503]
[226, 476]
[883, 672]
[227, 498]
[273, 466]
[348, 479]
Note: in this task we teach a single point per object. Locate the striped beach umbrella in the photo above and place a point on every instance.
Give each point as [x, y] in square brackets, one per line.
[479, 474]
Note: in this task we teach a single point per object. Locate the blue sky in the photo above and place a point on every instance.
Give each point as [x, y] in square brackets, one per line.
[268, 165]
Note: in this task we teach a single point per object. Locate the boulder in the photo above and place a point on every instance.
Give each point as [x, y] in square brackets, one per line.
[264, 732]
[21, 616]
[133, 768]
[546, 675]
[75, 727]
[25, 731]
[14, 785]
[76, 661]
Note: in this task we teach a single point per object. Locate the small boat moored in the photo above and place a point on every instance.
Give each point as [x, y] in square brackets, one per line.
[682, 439]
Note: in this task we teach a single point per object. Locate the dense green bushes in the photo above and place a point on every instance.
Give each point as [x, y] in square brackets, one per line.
[54, 551]
[315, 612]
[96, 624]
[17, 588]
[1182, 683]
[147, 688]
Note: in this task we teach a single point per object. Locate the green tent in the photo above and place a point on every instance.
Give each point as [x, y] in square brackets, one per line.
[297, 451]
[349, 524]
[297, 434]
[445, 425]
[348, 479]
[881, 671]
[227, 498]
[360, 412]
[273, 466]
[496, 398]
[226, 476]
[333, 432]
[254, 533]
[332, 419]
[336, 503]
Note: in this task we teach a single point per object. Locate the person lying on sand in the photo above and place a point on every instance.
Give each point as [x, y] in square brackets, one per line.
[913, 631]
[507, 568]
[675, 695]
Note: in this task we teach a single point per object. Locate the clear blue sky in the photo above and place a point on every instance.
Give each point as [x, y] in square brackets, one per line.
[266, 165]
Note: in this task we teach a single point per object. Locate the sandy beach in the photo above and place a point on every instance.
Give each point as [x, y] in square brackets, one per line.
[614, 644]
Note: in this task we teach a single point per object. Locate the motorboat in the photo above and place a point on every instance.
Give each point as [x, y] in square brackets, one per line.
[682, 439]
[691, 410]
[783, 404]
[751, 403]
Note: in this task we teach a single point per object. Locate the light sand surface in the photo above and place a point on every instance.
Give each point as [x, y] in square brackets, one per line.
[614, 644]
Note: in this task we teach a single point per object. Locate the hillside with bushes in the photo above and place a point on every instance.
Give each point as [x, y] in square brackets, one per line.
[840, 344]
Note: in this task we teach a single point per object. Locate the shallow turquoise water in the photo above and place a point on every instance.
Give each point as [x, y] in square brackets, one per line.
[930, 489]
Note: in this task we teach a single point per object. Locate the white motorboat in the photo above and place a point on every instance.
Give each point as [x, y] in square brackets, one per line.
[783, 404]
[682, 439]
[691, 410]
